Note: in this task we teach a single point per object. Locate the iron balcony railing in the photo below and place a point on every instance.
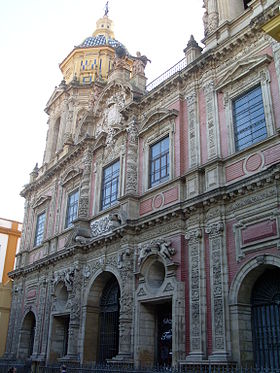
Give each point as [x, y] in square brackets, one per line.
[167, 74]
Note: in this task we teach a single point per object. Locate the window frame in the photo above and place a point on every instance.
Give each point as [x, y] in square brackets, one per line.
[237, 122]
[117, 193]
[42, 234]
[69, 224]
[236, 89]
[159, 158]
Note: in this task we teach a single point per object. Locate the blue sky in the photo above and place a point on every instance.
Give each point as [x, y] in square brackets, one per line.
[36, 35]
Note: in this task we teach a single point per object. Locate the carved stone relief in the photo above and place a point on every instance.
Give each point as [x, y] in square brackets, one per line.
[211, 120]
[194, 241]
[193, 133]
[215, 232]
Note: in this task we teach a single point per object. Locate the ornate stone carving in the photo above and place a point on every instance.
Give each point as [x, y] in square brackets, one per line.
[194, 241]
[193, 129]
[131, 171]
[215, 228]
[211, 120]
[215, 232]
[85, 183]
[159, 246]
[106, 224]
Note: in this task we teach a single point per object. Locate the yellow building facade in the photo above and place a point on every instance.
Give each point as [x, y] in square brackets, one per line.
[10, 232]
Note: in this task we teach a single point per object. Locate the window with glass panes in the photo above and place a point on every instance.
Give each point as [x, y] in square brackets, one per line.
[249, 119]
[72, 208]
[40, 226]
[110, 185]
[159, 162]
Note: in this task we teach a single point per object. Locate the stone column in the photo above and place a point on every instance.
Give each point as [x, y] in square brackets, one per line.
[11, 351]
[85, 184]
[50, 135]
[193, 129]
[40, 317]
[213, 15]
[75, 317]
[125, 264]
[197, 322]
[218, 292]
[67, 117]
[17, 319]
[132, 150]
[46, 320]
[212, 125]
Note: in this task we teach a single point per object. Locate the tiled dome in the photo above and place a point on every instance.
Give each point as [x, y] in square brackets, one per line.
[99, 40]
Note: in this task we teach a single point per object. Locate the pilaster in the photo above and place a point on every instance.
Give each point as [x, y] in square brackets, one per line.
[215, 233]
[197, 322]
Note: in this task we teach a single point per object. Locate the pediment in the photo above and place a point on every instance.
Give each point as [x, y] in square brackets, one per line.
[70, 175]
[157, 116]
[41, 200]
[243, 68]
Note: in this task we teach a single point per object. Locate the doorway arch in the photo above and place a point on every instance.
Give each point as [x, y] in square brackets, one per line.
[242, 298]
[27, 334]
[101, 340]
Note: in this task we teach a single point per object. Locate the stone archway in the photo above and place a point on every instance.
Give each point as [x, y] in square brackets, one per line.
[240, 304]
[101, 334]
[27, 334]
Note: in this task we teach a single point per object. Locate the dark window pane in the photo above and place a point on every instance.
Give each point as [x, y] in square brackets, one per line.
[72, 208]
[249, 119]
[159, 162]
[39, 234]
[110, 185]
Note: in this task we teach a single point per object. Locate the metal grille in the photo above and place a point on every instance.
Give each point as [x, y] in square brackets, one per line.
[109, 322]
[266, 320]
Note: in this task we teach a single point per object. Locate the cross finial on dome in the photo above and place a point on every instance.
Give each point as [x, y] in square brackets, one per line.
[106, 8]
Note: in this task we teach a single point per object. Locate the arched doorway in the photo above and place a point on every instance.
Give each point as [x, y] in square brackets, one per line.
[101, 339]
[27, 334]
[265, 303]
[109, 321]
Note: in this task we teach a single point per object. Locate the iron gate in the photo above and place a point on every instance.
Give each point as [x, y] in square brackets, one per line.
[109, 321]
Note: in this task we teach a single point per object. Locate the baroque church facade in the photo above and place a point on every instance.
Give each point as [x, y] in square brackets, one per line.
[151, 230]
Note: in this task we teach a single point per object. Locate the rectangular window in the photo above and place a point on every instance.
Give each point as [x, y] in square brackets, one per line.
[249, 119]
[110, 185]
[72, 208]
[159, 162]
[40, 226]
